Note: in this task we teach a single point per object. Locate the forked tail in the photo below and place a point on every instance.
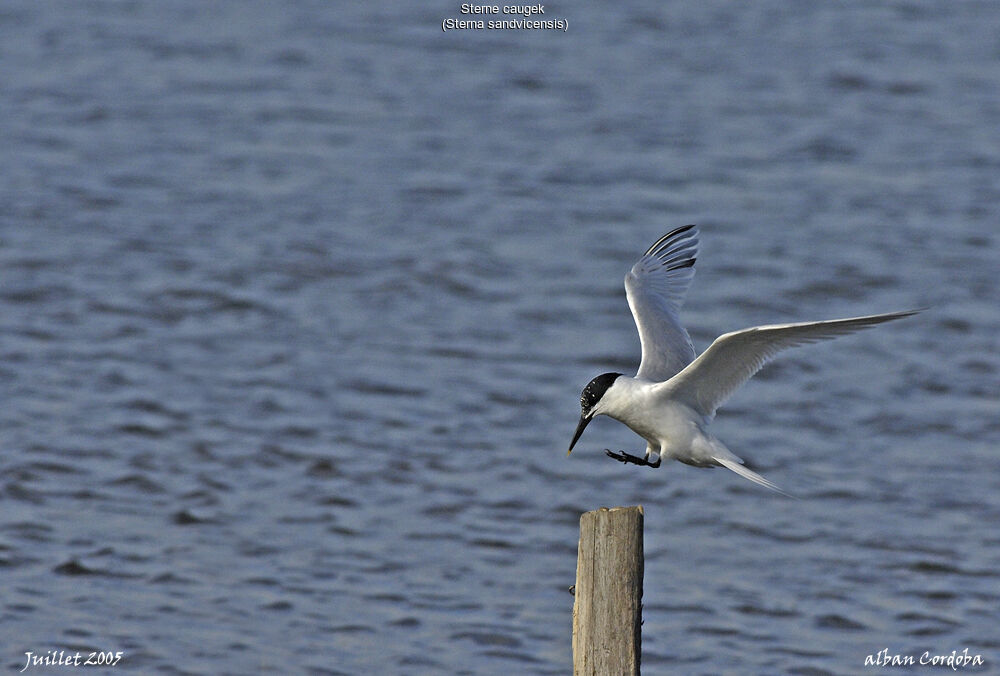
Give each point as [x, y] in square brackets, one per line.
[737, 466]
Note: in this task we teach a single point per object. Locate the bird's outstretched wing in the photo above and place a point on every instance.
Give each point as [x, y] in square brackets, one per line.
[735, 357]
[655, 288]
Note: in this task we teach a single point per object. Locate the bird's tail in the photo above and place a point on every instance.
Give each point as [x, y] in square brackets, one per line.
[735, 464]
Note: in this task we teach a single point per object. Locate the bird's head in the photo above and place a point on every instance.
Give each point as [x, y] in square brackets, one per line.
[591, 403]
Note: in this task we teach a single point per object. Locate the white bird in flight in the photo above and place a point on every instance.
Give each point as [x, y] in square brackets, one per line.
[674, 396]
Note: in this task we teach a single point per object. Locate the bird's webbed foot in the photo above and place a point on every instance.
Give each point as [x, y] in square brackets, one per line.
[627, 458]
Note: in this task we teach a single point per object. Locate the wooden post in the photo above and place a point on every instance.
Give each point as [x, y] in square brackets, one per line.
[607, 610]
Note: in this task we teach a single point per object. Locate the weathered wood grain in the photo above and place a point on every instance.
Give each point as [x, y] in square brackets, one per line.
[607, 611]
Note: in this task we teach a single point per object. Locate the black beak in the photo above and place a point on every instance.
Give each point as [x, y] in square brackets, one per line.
[584, 421]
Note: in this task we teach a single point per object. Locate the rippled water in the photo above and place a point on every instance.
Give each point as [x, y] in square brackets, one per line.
[297, 302]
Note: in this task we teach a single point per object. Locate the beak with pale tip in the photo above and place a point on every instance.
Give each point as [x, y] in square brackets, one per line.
[582, 425]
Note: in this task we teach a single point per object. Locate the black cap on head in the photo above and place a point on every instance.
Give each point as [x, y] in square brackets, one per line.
[595, 389]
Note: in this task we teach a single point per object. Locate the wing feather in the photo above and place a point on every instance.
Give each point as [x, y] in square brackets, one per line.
[655, 288]
[735, 357]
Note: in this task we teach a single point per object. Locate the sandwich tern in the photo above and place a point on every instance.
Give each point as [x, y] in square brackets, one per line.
[674, 396]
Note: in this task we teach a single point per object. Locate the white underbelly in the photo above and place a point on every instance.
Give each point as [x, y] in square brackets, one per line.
[670, 427]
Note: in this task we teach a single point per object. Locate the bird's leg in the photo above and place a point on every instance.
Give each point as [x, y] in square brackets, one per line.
[622, 456]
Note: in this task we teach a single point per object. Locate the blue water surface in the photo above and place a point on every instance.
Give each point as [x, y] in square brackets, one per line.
[297, 300]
